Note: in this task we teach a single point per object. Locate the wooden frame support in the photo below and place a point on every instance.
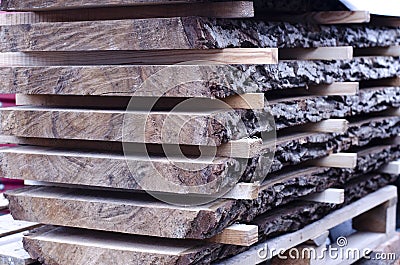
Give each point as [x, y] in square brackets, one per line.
[392, 168]
[334, 196]
[339, 160]
[328, 126]
[335, 89]
[320, 53]
[258, 253]
[237, 234]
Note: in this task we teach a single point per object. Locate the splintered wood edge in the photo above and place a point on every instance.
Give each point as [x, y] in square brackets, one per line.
[239, 9]
[378, 51]
[242, 101]
[287, 241]
[338, 160]
[320, 53]
[207, 56]
[237, 234]
[334, 196]
[335, 89]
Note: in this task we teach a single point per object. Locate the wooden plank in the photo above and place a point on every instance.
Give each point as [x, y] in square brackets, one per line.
[39, 5]
[237, 234]
[378, 51]
[12, 251]
[243, 101]
[243, 191]
[234, 9]
[339, 160]
[335, 196]
[322, 17]
[191, 128]
[3, 202]
[119, 208]
[328, 126]
[136, 57]
[256, 255]
[391, 168]
[320, 53]
[114, 170]
[335, 89]
[9, 226]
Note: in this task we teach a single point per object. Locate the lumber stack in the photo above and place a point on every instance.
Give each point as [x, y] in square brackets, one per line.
[189, 132]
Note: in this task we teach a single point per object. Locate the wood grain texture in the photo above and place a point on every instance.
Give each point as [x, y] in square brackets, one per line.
[36, 5]
[126, 80]
[114, 171]
[234, 9]
[320, 53]
[192, 128]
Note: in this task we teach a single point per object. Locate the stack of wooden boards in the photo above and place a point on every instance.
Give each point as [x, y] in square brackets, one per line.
[333, 91]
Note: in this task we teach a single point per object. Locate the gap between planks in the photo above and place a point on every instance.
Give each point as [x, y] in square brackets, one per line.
[234, 9]
[143, 57]
[393, 51]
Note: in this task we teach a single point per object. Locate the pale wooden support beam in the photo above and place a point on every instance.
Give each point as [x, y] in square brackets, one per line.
[246, 101]
[335, 89]
[392, 168]
[334, 196]
[339, 160]
[237, 234]
[3, 202]
[328, 126]
[243, 191]
[320, 53]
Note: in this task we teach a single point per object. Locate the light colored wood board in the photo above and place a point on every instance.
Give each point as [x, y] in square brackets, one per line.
[335, 89]
[335, 196]
[3, 202]
[315, 229]
[320, 53]
[114, 170]
[72, 246]
[385, 21]
[140, 214]
[39, 5]
[324, 17]
[234, 9]
[12, 251]
[230, 56]
[391, 168]
[237, 234]
[243, 101]
[9, 226]
[378, 51]
[339, 160]
[325, 126]
[178, 127]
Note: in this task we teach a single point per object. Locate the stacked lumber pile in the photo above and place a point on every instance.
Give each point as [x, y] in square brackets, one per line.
[245, 132]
